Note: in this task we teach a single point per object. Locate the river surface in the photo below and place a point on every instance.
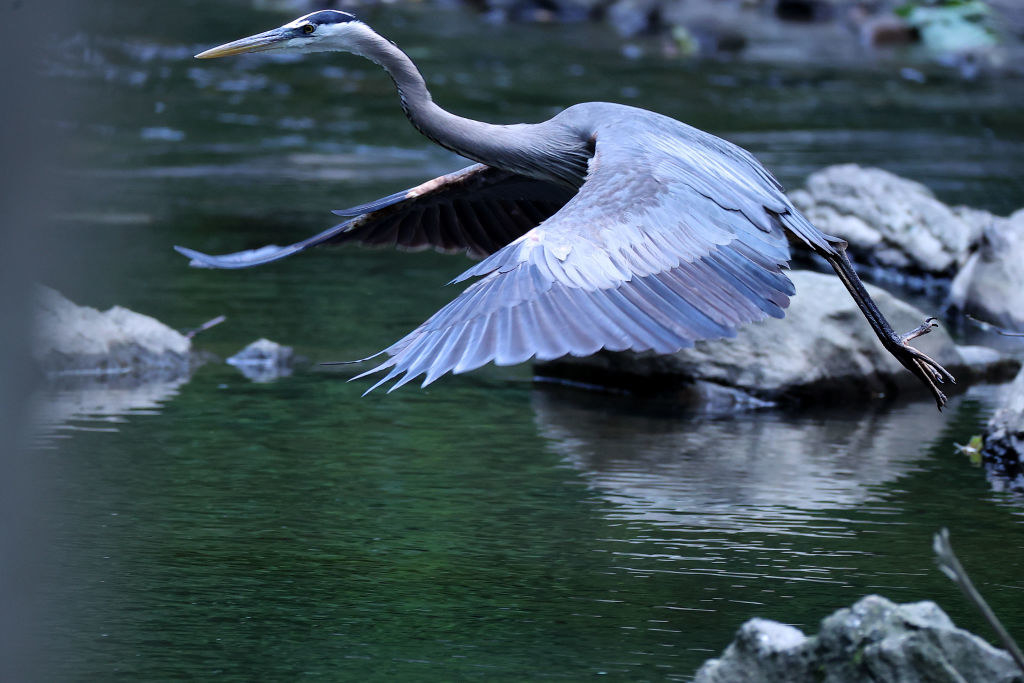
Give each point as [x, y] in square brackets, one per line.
[487, 527]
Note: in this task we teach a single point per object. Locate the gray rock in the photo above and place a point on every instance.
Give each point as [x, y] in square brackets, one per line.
[763, 651]
[875, 640]
[891, 221]
[823, 348]
[71, 339]
[991, 283]
[263, 361]
[1003, 451]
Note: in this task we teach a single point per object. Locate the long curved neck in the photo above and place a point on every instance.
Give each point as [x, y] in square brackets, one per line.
[531, 149]
[446, 129]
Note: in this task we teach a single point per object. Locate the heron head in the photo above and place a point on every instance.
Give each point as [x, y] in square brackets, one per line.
[326, 30]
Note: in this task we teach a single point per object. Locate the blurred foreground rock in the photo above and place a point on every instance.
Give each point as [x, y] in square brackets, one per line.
[875, 640]
[1003, 451]
[263, 361]
[79, 340]
[823, 350]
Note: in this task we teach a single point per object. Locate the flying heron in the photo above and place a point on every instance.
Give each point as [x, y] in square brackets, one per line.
[604, 227]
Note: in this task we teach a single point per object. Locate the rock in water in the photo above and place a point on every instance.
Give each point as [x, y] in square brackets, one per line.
[890, 221]
[898, 226]
[263, 360]
[991, 284]
[875, 640]
[1003, 451]
[72, 339]
[763, 651]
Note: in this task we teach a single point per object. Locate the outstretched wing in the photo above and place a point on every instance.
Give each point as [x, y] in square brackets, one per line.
[671, 239]
[477, 210]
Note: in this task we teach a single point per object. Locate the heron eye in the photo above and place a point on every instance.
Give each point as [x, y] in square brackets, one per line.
[308, 28]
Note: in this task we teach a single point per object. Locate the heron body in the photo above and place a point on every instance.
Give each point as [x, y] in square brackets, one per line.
[605, 227]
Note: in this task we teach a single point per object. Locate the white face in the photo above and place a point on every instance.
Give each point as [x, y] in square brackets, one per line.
[326, 30]
[323, 31]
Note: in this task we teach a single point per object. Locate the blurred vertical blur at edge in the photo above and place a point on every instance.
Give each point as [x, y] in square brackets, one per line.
[26, 198]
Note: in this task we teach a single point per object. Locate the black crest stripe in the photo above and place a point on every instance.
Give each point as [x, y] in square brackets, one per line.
[329, 16]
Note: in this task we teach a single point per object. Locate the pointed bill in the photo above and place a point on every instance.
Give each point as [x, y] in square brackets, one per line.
[260, 42]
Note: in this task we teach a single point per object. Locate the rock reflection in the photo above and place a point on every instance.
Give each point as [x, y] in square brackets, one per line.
[96, 403]
[753, 472]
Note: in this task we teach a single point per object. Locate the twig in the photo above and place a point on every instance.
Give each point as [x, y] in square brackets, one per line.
[951, 567]
[205, 326]
[989, 326]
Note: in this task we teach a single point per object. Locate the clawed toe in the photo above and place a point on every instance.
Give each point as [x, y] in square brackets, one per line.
[924, 328]
[927, 365]
[939, 373]
[931, 378]
[926, 368]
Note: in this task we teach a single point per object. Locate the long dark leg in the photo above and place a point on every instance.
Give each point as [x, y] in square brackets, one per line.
[926, 369]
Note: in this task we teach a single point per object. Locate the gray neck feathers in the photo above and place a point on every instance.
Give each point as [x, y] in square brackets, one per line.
[538, 150]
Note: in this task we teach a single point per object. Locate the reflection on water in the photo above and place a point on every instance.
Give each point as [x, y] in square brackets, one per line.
[717, 473]
[489, 528]
[716, 488]
[96, 403]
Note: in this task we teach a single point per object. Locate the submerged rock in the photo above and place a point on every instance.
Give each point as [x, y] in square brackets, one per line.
[263, 361]
[1003, 452]
[823, 349]
[875, 640]
[890, 221]
[73, 340]
[991, 283]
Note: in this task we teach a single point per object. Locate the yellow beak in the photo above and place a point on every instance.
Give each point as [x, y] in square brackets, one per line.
[260, 42]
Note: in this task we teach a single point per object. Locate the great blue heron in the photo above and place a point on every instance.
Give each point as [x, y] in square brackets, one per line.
[604, 227]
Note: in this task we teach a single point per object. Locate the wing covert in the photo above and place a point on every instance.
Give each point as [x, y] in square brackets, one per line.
[641, 258]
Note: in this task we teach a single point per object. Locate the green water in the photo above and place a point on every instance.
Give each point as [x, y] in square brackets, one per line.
[488, 526]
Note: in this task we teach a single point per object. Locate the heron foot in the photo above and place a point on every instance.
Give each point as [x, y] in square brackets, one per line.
[927, 369]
